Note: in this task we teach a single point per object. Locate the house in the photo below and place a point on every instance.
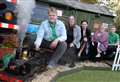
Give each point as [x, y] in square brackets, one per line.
[91, 13]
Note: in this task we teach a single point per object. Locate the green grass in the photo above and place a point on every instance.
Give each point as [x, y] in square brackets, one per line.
[91, 76]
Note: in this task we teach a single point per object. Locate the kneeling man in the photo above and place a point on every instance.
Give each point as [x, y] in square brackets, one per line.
[52, 35]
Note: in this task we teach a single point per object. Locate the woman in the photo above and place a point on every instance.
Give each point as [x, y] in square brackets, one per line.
[85, 41]
[100, 41]
[73, 40]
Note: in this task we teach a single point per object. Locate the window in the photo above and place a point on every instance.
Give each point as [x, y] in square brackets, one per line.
[40, 12]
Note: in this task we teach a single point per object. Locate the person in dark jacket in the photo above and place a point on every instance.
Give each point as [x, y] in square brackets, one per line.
[73, 39]
[85, 41]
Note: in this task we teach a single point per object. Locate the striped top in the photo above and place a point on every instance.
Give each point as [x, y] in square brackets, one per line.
[12, 1]
[9, 26]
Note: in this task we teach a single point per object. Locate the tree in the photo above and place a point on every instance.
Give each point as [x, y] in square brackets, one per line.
[117, 20]
[113, 6]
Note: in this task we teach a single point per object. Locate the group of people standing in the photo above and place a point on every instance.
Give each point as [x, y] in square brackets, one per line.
[74, 41]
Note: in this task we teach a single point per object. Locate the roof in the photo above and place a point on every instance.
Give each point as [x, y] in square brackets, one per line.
[84, 6]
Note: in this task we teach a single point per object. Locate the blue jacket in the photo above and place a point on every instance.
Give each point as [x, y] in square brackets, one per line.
[45, 32]
[77, 36]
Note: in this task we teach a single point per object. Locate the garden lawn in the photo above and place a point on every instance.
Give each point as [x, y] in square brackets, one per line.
[91, 76]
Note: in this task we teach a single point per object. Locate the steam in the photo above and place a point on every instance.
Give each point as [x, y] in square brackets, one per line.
[25, 10]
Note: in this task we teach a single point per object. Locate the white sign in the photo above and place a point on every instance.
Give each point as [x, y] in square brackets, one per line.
[59, 12]
[105, 25]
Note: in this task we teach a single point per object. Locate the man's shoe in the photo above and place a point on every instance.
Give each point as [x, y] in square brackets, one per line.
[98, 56]
[50, 67]
[72, 65]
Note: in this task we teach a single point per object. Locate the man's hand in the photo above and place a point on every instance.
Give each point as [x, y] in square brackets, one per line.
[54, 44]
[71, 45]
[37, 47]
[85, 39]
[117, 44]
[93, 43]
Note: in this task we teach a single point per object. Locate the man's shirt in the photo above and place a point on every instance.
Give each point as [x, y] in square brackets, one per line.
[45, 32]
[113, 38]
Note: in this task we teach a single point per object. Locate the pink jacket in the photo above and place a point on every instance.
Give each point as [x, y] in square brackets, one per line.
[102, 39]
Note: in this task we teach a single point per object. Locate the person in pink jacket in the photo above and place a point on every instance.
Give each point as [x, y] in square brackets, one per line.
[100, 40]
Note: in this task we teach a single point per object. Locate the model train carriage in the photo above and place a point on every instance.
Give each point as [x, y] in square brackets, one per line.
[8, 43]
[8, 36]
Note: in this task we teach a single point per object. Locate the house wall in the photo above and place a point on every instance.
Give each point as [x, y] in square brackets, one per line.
[90, 17]
[40, 14]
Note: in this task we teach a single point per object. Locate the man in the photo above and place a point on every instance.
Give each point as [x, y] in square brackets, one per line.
[113, 40]
[52, 34]
[113, 37]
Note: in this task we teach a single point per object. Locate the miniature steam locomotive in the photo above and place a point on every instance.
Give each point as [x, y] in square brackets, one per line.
[14, 66]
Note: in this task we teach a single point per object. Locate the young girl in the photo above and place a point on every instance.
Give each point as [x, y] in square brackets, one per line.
[73, 40]
[100, 41]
